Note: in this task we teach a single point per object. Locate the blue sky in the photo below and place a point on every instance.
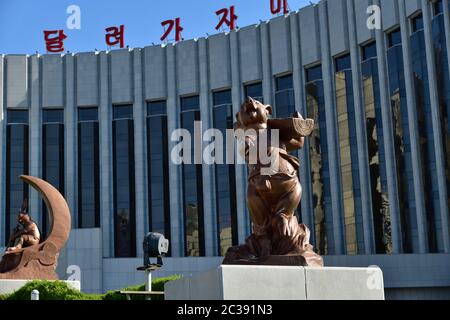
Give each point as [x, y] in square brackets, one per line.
[22, 21]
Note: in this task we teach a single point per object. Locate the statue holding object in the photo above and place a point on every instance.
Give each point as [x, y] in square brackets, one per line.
[273, 197]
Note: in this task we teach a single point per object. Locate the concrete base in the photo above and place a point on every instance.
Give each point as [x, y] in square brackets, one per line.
[230, 282]
[9, 286]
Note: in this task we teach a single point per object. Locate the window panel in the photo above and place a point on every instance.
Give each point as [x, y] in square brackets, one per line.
[158, 168]
[225, 177]
[123, 182]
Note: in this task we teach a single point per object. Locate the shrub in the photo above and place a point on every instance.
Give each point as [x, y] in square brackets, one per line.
[50, 290]
[58, 290]
[157, 285]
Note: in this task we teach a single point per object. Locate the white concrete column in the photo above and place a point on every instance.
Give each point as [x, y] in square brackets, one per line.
[70, 137]
[337, 241]
[209, 188]
[35, 136]
[361, 138]
[175, 181]
[267, 81]
[140, 148]
[443, 245]
[413, 130]
[2, 155]
[388, 141]
[300, 106]
[105, 144]
[237, 95]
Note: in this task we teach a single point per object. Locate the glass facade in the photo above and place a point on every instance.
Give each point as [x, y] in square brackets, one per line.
[158, 168]
[402, 143]
[284, 97]
[375, 150]
[443, 86]
[53, 155]
[254, 90]
[318, 158]
[425, 124]
[88, 169]
[192, 185]
[17, 131]
[351, 191]
[225, 177]
[123, 182]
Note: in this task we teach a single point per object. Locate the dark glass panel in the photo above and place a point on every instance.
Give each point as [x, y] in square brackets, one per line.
[284, 97]
[369, 51]
[122, 112]
[314, 73]
[124, 190]
[402, 144]
[158, 166]
[192, 186]
[417, 23]
[17, 116]
[394, 38]
[427, 151]
[348, 156]
[88, 175]
[53, 116]
[53, 160]
[443, 87]
[343, 63]
[284, 83]
[190, 103]
[438, 7]
[156, 108]
[376, 156]
[255, 91]
[16, 165]
[88, 114]
[225, 177]
[318, 157]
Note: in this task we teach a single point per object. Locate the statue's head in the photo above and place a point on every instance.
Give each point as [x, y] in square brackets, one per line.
[23, 218]
[253, 115]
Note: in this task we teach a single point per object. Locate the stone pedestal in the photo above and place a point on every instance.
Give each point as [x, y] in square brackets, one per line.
[9, 286]
[236, 282]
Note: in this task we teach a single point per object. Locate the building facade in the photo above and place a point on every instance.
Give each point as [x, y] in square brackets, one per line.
[375, 172]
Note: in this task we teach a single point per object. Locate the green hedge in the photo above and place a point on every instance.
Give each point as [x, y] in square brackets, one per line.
[58, 290]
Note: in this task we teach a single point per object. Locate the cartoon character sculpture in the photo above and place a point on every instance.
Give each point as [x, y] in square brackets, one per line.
[274, 190]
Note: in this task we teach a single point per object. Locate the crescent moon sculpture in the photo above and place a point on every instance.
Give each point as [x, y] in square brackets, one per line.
[40, 261]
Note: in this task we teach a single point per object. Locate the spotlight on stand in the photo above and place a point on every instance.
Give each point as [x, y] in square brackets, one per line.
[155, 245]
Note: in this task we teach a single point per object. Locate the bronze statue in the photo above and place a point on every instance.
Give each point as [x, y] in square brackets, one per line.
[272, 198]
[27, 258]
[26, 232]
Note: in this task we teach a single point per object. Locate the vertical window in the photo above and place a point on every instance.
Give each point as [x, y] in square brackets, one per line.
[255, 91]
[88, 169]
[438, 7]
[53, 155]
[417, 23]
[348, 155]
[426, 138]
[16, 165]
[375, 150]
[123, 175]
[443, 87]
[192, 185]
[402, 143]
[284, 96]
[318, 158]
[158, 168]
[225, 176]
